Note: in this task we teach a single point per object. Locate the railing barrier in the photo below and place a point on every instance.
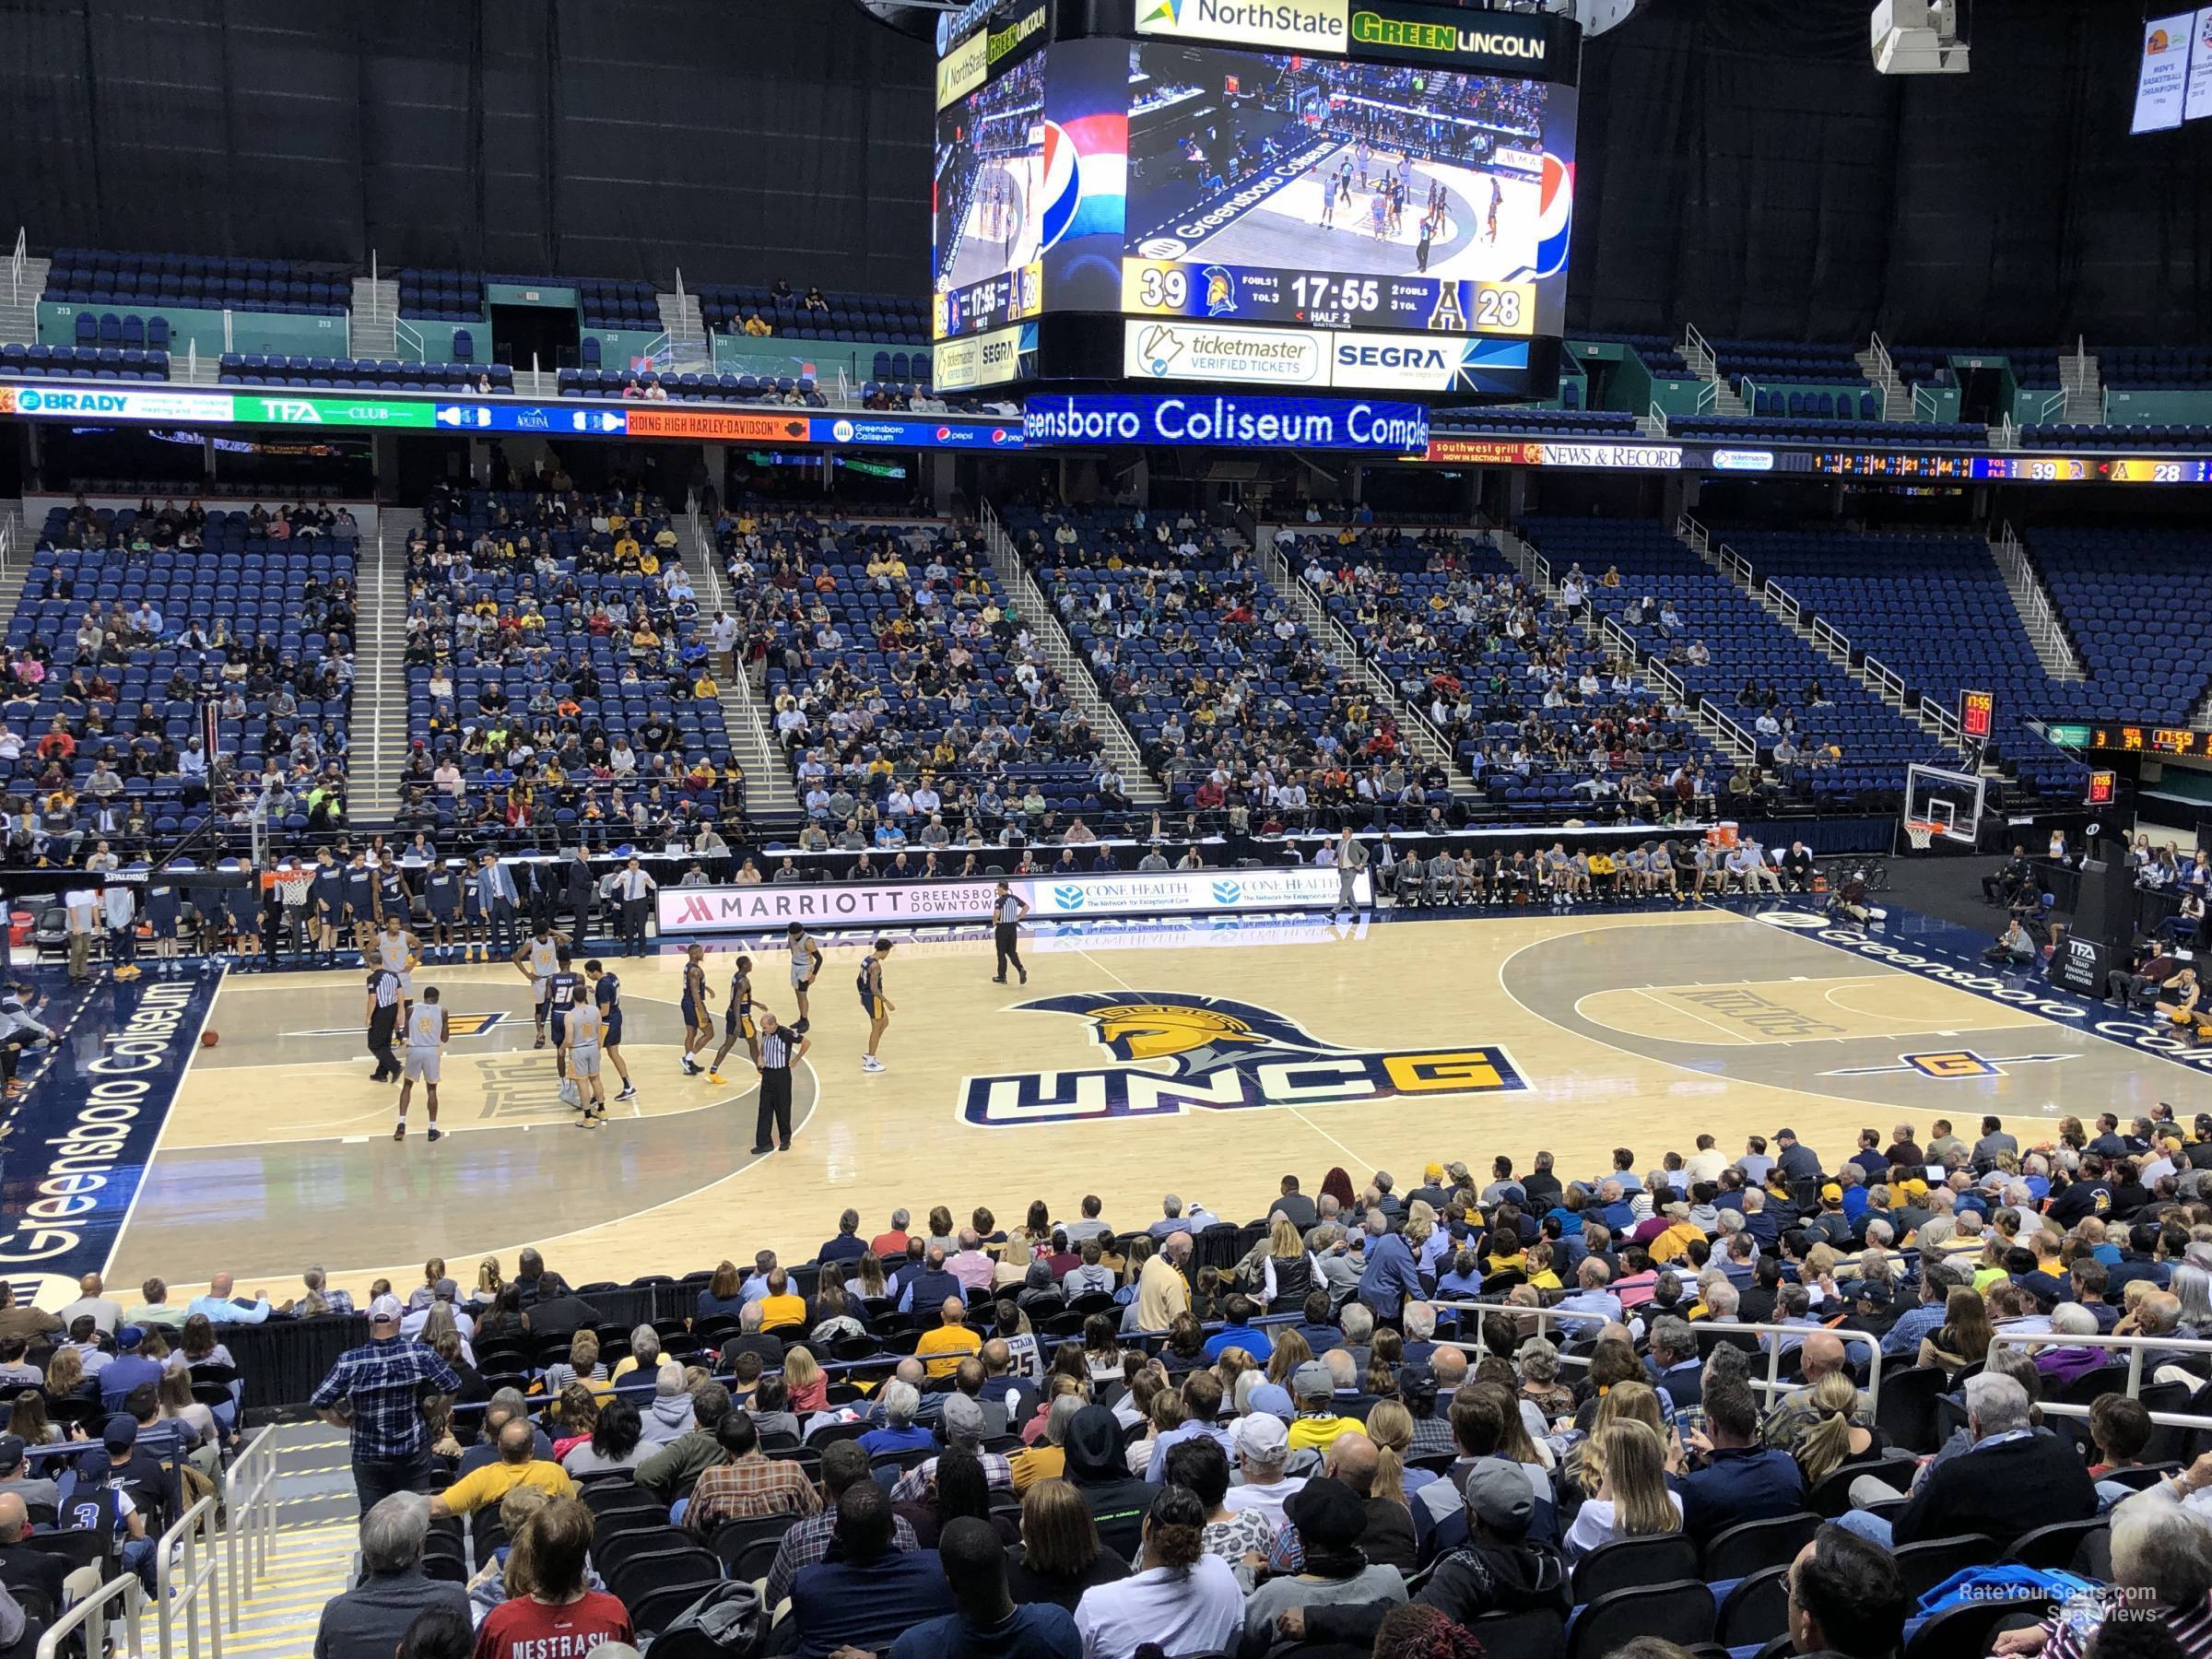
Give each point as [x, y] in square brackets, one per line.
[189, 1592]
[97, 1616]
[250, 1518]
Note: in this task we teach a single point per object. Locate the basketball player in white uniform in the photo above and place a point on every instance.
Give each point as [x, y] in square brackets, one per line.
[396, 951]
[427, 1029]
[805, 963]
[540, 961]
[585, 1027]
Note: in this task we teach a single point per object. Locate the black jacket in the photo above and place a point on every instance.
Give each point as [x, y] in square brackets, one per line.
[1464, 1585]
[1098, 1469]
[1989, 1488]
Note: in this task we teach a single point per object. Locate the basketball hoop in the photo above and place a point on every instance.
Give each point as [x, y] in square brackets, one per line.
[1920, 833]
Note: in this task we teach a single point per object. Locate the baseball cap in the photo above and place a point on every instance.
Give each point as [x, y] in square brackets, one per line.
[1499, 1496]
[1272, 1399]
[1259, 1437]
[385, 1310]
[120, 1435]
[129, 1337]
[1312, 1380]
[446, 1289]
[1833, 1189]
[1780, 1133]
[1329, 1513]
[12, 1448]
[1434, 1171]
[962, 1417]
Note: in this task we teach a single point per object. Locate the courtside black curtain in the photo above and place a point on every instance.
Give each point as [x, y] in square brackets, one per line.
[1741, 165]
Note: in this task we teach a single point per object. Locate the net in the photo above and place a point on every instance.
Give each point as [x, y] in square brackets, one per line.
[1919, 832]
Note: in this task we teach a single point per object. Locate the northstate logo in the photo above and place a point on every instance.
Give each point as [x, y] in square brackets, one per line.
[1210, 1053]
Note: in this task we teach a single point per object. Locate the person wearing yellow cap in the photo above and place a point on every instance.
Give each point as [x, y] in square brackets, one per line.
[1831, 1224]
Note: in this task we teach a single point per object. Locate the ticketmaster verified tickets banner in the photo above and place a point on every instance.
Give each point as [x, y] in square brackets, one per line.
[945, 903]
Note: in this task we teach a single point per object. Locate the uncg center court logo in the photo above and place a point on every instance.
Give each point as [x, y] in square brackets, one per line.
[1177, 1054]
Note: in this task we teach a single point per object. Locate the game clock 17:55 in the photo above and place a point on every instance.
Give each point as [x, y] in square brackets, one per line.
[1166, 287]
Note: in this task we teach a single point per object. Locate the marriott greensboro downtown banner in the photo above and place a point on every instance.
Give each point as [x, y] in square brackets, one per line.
[950, 904]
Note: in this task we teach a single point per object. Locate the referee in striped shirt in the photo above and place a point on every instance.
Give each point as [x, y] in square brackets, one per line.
[384, 1023]
[780, 1050]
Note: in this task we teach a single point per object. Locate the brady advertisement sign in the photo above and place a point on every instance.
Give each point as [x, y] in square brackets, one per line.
[1378, 428]
[946, 904]
[100, 402]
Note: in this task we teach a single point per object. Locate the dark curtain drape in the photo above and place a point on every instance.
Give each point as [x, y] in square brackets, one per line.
[1741, 165]
[738, 140]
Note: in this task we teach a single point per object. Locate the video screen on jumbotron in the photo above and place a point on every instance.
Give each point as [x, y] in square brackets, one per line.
[1323, 191]
[986, 202]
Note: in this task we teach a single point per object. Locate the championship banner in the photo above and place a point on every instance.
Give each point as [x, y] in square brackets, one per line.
[858, 905]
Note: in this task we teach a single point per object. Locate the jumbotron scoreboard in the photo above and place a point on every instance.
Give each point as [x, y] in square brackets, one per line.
[1291, 195]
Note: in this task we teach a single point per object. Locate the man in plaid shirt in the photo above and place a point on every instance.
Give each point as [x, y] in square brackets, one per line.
[843, 1464]
[383, 1383]
[960, 1424]
[748, 1484]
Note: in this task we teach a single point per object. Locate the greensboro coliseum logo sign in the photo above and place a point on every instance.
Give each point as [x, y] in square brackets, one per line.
[1211, 1053]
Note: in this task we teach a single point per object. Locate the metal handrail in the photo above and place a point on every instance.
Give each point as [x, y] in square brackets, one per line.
[405, 334]
[18, 261]
[1925, 406]
[2133, 1347]
[93, 1615]
[249, 1519]
[2041, 616]
[190, 1590]
[1698, 353]
[1772, 1387]
[1050, 638]
[1357, 656]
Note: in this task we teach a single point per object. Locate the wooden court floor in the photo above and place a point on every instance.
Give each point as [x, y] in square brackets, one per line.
[1208, 1060]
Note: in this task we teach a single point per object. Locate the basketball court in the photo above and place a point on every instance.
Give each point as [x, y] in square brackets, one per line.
[1204, 1056]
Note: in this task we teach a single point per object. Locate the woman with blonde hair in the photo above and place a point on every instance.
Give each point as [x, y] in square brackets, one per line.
[722, 1298]
[1389, 1426]
[867, 1278]
[806, 1389]
[424, 1294]
[1834, 1440]
[1288, 1271]
[1061, 1555]
[574, 1415]
[1624, 1402]
[436, 1323]
[489, 1282]
[1632, 1499]
[581, 1365]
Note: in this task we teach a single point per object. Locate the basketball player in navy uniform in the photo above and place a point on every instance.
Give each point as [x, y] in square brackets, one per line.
[607, 995]
[162, 908]
[441, 900]
[429, 1029]
[876, 1006]
[393, 897]
[564, 995]
[737, 1020]
[805, 968]
[244, 904]
[698, 1021]
[1007, 908]
[360, 901]
[539, 960]
[326, 902]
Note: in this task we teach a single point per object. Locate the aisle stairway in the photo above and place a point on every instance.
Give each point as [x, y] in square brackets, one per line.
[771, 798]
[380, 686]
[317, 1539]
[20, 302]
[374, 319]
